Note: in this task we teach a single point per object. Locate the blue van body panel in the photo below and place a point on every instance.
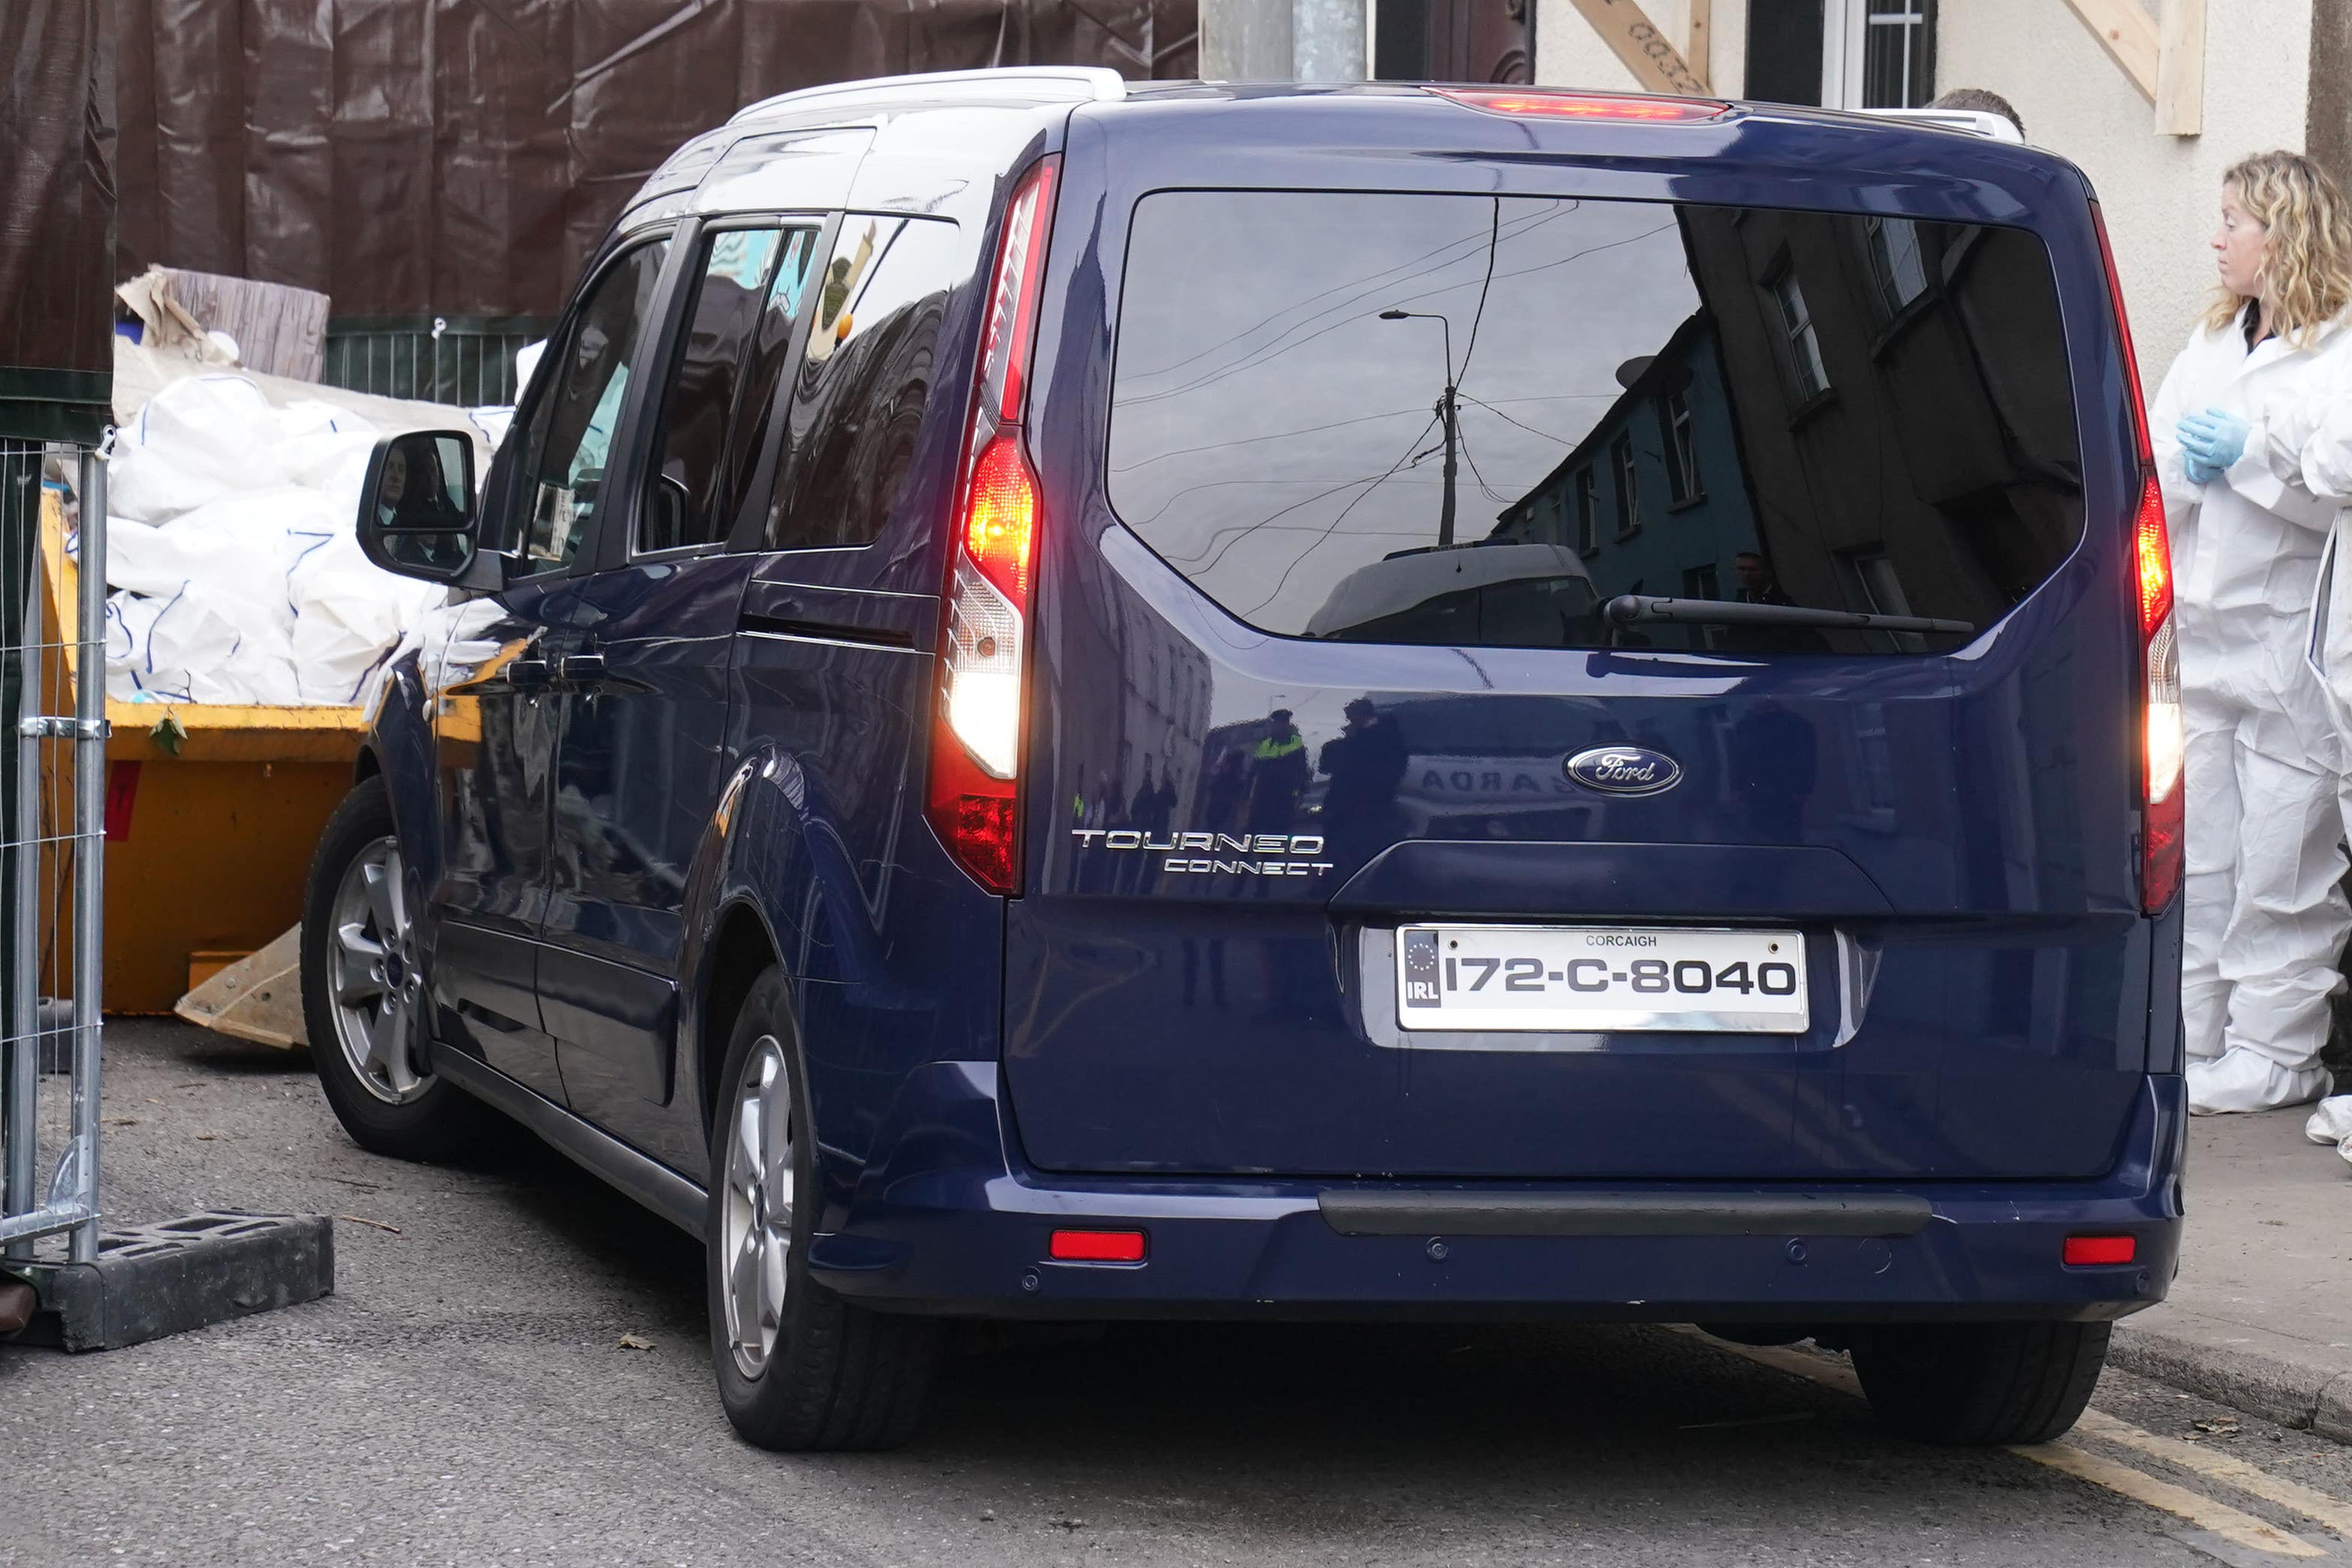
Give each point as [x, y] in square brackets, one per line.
[1204, 1056]
[950, 1223]
[1979, 855]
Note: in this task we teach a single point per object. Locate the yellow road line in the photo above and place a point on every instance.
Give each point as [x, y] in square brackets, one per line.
[2330, 1511]
[2230, 1524]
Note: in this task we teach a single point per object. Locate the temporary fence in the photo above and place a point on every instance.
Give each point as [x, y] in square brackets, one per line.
[468, 360]
[52, 851]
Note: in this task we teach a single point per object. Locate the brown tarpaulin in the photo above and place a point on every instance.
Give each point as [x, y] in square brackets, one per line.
[463, 156]
[57, 220]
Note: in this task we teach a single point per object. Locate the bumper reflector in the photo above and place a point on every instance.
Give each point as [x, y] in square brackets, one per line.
[1097, 1247]
[2088, 1251]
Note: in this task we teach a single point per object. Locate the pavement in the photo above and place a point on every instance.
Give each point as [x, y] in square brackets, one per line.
[2261, 1315]
[472, 1393]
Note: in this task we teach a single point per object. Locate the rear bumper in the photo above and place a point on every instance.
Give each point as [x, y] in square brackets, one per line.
[947, 1223]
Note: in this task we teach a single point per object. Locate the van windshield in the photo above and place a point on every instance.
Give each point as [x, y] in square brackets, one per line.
[1476, 420]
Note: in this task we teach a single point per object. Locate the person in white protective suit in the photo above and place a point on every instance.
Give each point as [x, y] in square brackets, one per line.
[2265, 918]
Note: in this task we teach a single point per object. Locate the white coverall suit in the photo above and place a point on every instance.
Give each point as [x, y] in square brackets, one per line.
[2265, 917]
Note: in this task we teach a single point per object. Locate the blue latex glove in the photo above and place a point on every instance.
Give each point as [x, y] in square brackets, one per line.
[2210, 442]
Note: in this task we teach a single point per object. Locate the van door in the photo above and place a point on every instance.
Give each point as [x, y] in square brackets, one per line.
[641, 678]
[1460, 746]
[494, 722]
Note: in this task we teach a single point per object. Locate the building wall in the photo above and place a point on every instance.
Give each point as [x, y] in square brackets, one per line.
[1568, 53]
[2161, 192]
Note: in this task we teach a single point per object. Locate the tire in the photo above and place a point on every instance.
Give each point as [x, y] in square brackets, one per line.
[388, 1104]
[812, 1372]
[1978, 1384]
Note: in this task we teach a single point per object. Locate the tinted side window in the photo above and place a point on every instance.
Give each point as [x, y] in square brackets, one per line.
[747, 284]
[858, 398]
[1480, 419]
[562, 467]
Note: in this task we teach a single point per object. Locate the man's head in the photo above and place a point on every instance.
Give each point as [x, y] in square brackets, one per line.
[1360, 711]
[1753, 574]
[1980, 100]
[394, 487]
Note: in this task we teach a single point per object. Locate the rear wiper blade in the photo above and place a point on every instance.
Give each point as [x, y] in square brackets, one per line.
[1629, 609]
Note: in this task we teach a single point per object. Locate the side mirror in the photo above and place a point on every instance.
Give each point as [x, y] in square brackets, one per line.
[418, 513]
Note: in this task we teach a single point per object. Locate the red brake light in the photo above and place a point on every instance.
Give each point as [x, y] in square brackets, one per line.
[1097, 1247]
[2163, 738]
[2092, 1251]
[1582, 105]
[973, 794]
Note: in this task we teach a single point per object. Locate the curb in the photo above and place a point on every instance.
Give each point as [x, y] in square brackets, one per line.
[2304, 1395]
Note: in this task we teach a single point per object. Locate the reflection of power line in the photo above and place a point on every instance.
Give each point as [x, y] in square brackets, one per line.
[1564, 260]
[1403, 458]
[1494, 246]
[1246, 440]
[1258, 355]
[1242, 530]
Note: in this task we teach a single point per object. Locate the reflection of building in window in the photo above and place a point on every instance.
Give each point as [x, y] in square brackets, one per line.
[1880, 588]
[1629, 486]
[1682, 451]
[1698, 582]
[1805, 367]
[1588, 513]
[1894, 260]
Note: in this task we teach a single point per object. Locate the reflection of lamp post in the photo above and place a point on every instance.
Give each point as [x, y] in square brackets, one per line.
[1445, 411]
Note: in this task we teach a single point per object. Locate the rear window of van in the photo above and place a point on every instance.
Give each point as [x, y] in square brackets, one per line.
[1475, 420]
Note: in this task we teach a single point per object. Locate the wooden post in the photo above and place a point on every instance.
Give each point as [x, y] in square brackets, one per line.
[2125, 31]
[1699, 52]
[2180, 70]
[1645, 51]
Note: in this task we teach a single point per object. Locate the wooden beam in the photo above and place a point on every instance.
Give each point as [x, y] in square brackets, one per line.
[2180, 69]
[2128, 34]
[1636, 41]
[1698, 53]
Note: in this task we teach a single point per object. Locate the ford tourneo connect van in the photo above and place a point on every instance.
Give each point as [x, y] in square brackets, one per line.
[1083, 700]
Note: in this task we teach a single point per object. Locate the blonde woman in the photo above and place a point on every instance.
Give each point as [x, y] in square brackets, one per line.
[2237, 412]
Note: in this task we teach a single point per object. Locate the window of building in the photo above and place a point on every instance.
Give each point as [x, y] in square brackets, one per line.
[1898, 38]
[1841, 54]
[1629, 485]
[1681, 446]
[1588, 513]
[1698, 582]
[863, 380]
[1895, 262]
[1811, 377]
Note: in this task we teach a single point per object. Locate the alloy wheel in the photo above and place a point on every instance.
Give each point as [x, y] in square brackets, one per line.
[757, 1232]
[378, 979]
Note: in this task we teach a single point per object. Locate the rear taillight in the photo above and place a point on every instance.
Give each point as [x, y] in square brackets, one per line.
[2161, 739]
[974, 791]
[1521, 103]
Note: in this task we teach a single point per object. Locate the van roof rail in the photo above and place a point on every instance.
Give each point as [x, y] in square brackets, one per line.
[1047, 84]
[1968, 121]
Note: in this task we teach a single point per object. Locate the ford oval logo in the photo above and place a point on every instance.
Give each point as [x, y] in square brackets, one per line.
[1623, 769]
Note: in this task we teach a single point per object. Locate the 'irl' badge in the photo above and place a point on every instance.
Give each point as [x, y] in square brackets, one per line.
[1420, 969]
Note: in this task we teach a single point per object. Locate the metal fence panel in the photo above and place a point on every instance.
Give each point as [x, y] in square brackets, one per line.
[468, 361]
[52, 846]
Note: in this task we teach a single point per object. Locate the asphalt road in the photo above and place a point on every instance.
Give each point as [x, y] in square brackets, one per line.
[465, 1397]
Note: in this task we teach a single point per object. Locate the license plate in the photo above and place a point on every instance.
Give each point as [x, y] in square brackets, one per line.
[1571, 977]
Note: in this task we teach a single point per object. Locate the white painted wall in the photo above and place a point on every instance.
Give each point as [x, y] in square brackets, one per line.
[2160, 194]
[1568, 53]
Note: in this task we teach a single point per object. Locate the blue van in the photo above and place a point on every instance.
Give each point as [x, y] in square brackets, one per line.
[1073, 699]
